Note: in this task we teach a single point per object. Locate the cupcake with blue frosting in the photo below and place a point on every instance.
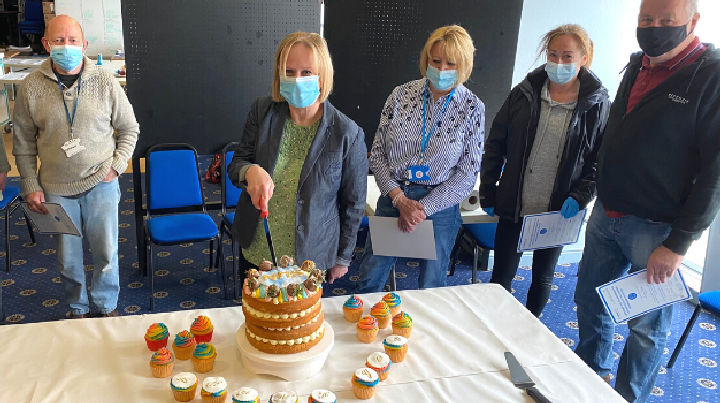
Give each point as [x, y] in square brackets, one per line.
[246, 395]
[353, 309]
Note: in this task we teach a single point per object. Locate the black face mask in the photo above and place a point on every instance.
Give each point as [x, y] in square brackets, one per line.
[656, 41]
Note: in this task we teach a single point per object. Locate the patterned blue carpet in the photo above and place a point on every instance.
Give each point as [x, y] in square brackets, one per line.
[33, 293]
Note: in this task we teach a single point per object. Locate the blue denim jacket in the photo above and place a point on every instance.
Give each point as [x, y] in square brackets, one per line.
[332, 187]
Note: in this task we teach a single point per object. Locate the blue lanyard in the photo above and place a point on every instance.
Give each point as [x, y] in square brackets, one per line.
[425, 139]
[70, 120]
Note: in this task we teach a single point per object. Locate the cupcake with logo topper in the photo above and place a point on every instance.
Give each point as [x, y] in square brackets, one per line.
[381, 312]
[214, 390]
[156, 336]
[396, 347]
[367, 329]
[203, 357]
[402, 324]
[184, 345]
[284, 397]
[202, 328]
[381, 363]
[184, 386]
[246, 395]
[162, 363]
[353, 309]
[322, 396]
[364, 382]
[393, 301]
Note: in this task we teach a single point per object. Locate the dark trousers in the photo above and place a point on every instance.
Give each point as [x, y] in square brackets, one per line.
[507, 259]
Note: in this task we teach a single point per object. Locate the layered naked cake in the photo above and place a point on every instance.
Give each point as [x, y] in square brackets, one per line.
[282, 308]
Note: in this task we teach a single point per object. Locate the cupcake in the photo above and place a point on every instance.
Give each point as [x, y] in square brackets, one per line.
[396, 347]
[214, 390]
[353, 309]
[184, 345]
[184, 386]
[393, 301]
[203, 357]
[380, 362]
[381, 312]
[156, 336]
[322, 396]
[202, 328]
[246, 395]
[284, 397]
[162, 363]
[367, 329]
[364, 382]
[402, 324]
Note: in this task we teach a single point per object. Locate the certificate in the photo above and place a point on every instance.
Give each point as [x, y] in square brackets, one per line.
[549, 230]
[631, 296]
[55, 222]
[389, 240]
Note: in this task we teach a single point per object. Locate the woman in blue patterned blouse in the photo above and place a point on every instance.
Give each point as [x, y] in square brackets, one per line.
[426, 154]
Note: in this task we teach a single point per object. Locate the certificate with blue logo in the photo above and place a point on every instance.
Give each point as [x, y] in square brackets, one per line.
[549, 230]
[631, 296]
[56, 221]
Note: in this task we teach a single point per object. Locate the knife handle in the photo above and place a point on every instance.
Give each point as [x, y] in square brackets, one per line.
[536, 395]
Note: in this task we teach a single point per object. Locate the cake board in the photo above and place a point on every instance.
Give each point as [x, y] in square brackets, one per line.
[291, 367]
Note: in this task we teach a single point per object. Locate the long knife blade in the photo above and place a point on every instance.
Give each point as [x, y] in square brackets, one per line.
[268, 235]
[521, 379]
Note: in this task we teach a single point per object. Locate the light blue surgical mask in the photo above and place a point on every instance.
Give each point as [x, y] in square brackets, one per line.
[300, 92]
[67, 57]
[441, 80]
[561, 73]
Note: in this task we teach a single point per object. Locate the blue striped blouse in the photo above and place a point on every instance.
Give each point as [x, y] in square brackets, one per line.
[453, 152]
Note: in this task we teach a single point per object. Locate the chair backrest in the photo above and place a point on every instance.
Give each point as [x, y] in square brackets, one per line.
[171, 177]
[34, 11]
[230, 193]
[483, 233]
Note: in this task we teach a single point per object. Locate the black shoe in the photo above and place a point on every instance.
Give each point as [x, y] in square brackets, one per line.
[110, 314]
[75, 316]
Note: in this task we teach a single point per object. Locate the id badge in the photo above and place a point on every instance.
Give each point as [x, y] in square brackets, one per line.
[418, 173]
[72, 147]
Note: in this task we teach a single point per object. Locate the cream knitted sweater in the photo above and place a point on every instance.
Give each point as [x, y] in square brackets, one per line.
[41, 128]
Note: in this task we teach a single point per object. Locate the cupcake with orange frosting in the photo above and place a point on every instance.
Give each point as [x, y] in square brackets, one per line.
[214, 390]
[184, 345]
[162, 363]
[364, 382]
[367, 329]
[381, 312]
[353, 309]
[396, 347]
[202, 328]
[203, 357]
[184, 386]
[381, 363]
[156, 336]
[402, 324]
[393, 301]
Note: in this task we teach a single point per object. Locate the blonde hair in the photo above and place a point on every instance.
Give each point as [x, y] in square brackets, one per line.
[457, 45]
[322, 62]
[587, 47]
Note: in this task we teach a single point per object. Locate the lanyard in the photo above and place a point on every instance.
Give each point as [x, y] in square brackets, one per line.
[70, 120]
[425, 139]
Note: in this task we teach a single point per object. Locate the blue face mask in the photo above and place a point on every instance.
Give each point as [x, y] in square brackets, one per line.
[441, 80]
[561, 73]
[67, 57]
[300, 92]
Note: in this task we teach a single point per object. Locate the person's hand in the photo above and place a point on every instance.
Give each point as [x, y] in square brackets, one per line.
[662, 265]
[570, 208]
[260, 187]
[35, 202]
[412, 213]
[489, 211]
[111, 175]
[336, 272]
[3, 179]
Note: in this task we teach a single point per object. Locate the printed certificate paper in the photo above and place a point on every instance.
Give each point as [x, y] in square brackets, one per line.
[55, 222]
[548, 230]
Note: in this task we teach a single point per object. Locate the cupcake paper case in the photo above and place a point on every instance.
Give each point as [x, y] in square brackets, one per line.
[381, 363]
[353, 309]
[202, 328]
[156, 336]
[246, 395]
[203, 357]
[367, 329]
[402, 324]
[184, 386]
[184, 345]
[396, 347]
[322, 396]
[284, 397]
[162, 363]
[214, 390]
[393, 301]
[364, 382]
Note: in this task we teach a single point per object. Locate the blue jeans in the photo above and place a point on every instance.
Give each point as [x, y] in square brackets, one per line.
[614, 247]
[98, 212]
[374, 270]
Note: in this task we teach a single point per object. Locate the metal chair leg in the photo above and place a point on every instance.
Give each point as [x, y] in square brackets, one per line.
[220, 257]
[151, 275]
[485, 260]
[235, 271]
[456, 250]
[684, 337]
[31, 232]
[475, 263]
[393, 285]
[212, 242]
[7, 239]
[217, 257]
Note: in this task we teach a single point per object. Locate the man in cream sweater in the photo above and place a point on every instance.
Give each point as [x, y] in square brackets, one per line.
[67, 113]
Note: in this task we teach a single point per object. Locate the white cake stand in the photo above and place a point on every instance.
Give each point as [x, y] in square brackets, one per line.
[291, 367]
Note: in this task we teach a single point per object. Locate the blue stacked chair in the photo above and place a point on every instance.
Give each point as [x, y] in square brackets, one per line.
[481, 239]
[228, 200]
[708, 300]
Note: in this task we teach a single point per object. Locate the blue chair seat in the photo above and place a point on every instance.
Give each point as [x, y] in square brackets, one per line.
[484, 234]
[365, 222]
[710, 300]
[9, 194]
[229, 219]
[181, 228]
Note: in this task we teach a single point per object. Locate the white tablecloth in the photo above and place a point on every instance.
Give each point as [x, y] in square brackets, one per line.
[455, 354]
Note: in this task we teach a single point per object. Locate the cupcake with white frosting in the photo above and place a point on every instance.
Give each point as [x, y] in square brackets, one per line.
[381, 363]
[322, 396]
[364, 382]
[245, 395]
[214, 390]
[184, 386]
[396, 347]
[284, 397]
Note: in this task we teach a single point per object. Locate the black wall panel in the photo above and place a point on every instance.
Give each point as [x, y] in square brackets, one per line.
[194, 67]
[376, 44]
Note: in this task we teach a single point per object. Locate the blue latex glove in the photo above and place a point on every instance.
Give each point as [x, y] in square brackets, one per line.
[490, 211]
[570, 208]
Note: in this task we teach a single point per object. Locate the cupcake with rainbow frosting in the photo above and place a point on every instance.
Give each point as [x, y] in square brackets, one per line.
[184, 345]
[203, 357]
[393, 301]
[162, 363]
[367, 329]
[353, 309]
[184, 386]
[402, 324]
[364, 382]
[381, 312]
[246, 395]
[156, 336]
[202, 328]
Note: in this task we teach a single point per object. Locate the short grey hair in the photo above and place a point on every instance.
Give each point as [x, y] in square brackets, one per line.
[692, 7]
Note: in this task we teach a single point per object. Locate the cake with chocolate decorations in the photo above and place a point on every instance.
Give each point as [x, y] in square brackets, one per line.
[282, 308]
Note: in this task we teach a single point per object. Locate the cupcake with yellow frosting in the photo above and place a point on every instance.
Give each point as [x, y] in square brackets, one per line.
[367, 329]
[393, 301]
[184, 345]
[381, 363]
[156, 336]
[246, 395]
[202, 328]
[353, 309]
[381, 312]
[364, 382]
[402, 324]
[162, 363]
[184, 386]
[214, 390]
[203, 357]
[396, 347]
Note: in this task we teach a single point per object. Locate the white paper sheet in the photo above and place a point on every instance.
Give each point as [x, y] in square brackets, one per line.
[631, 296]
[112, 9]
[389, 240]
[548, 230]
[55, 222]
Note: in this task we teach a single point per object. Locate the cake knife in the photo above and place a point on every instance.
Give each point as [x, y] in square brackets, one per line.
[264, 216]
[521, 380]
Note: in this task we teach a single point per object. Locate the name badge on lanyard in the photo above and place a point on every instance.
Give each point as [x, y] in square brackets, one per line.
[420, 172]
[71, 147]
